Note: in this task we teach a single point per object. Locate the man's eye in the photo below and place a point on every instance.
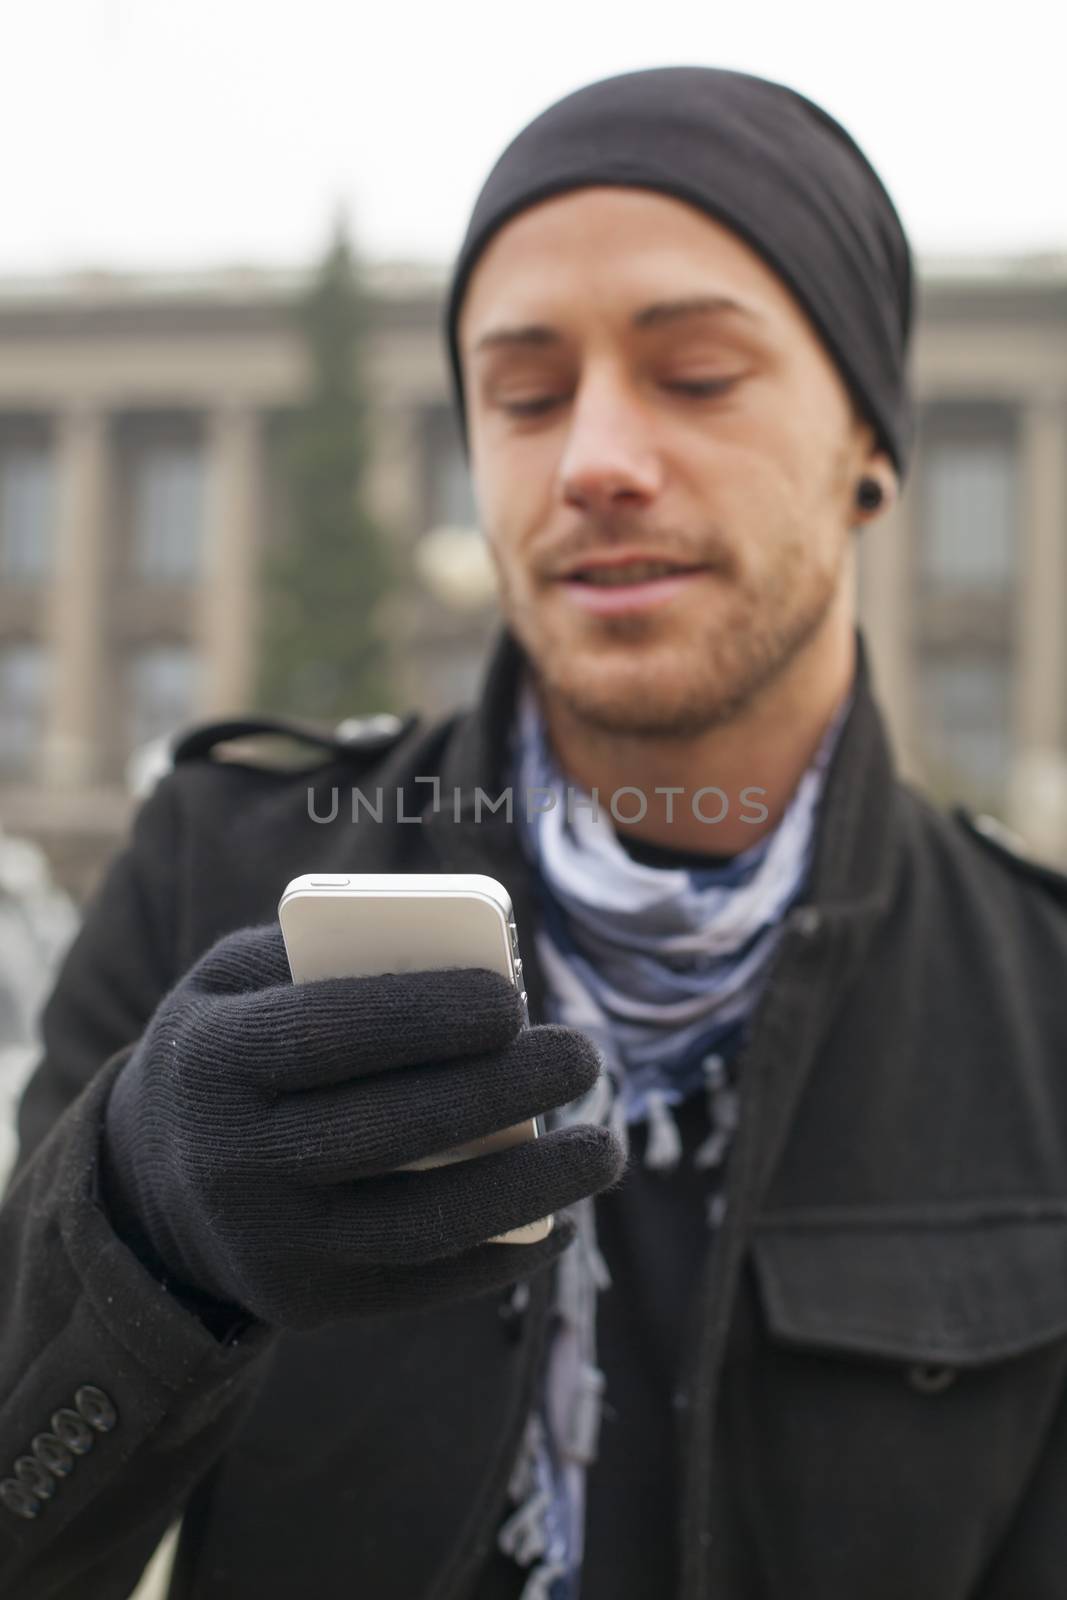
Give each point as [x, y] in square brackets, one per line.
[529, 408]
[700, 389]
[704, 388]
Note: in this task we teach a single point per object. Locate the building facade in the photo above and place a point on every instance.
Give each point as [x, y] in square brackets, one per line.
[138, 495]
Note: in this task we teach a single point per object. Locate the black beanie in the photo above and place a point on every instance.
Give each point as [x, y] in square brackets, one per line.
[760, 158]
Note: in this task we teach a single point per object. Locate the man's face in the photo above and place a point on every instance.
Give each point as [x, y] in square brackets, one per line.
[721, 443]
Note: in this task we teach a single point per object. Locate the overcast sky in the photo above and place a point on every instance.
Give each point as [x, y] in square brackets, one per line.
[183, 134]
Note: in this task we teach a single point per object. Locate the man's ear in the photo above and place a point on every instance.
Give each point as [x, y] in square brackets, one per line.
[881, 465]
[876, 467]
[871, 483]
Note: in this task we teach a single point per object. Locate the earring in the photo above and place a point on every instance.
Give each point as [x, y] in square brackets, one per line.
[869, 494]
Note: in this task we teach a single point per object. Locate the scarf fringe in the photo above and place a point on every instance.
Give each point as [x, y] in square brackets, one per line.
[723, 1114]
[583, 1425]
[582, 1272]
[538, 1585]
[598, 1267]
[618, 1124]
[712, 1151]
[664, 1148]
[523, 1479]
[523, 1535]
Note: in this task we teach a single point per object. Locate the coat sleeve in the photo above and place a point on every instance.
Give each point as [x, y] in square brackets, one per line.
[115, 1398]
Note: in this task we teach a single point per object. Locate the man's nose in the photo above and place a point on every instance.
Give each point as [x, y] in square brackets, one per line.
[610, 449]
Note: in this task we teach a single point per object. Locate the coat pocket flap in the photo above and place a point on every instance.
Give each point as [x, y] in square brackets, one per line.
[956, 1294]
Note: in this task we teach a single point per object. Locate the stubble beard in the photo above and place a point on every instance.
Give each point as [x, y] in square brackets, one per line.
[680, 685]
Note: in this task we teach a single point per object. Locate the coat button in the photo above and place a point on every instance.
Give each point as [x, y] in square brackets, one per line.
[96, 1407]
[37, 1479]
[53, 1454]
[19, 1501]
[931, 1379]
[73, 1431]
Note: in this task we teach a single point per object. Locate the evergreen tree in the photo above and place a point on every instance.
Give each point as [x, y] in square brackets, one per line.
[323, 652]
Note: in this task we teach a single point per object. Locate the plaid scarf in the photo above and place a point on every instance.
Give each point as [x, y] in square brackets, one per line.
[662, 969]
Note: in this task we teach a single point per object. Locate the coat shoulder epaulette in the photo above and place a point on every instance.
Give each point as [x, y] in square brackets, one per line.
[267, 744]
[283, 744]
[1011, 849]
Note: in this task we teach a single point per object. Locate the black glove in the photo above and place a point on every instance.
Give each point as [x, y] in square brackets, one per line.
[250, 1136]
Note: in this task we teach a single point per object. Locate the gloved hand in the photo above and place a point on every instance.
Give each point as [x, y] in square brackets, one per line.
[250, 1136]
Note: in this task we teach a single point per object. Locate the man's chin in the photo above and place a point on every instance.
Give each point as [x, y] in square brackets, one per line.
[670, 687]
[639, 675]
[634, 699]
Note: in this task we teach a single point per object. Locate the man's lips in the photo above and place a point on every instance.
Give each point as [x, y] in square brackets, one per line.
[643, 592]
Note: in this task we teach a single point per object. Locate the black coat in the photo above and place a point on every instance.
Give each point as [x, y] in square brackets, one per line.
[873, 1402]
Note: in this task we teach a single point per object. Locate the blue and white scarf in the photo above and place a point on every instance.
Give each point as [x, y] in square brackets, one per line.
[662, 969]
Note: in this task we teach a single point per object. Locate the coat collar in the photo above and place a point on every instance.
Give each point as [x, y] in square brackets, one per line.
[859, 825]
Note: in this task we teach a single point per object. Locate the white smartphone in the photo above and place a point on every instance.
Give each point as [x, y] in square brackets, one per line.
[338, 926]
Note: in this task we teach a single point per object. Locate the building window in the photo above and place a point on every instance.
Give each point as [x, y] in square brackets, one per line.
[968, 516]
[162, 692]
[26, 510]
[167, 509]
[963, 619]
[966, 724]
[23, 668]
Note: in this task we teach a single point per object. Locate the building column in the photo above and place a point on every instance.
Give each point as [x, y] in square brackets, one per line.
[1037, 792]
[227, 598]
[1041, 677]
[76, 614]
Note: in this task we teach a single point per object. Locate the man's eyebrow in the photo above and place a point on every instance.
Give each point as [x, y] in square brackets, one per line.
[539, 334]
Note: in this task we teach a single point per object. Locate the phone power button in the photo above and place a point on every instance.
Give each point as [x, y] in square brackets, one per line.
[328, 880]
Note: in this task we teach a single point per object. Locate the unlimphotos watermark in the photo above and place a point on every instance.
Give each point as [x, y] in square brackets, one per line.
[627, 804]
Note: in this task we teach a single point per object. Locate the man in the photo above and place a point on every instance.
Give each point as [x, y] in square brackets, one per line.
[813, 1342]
